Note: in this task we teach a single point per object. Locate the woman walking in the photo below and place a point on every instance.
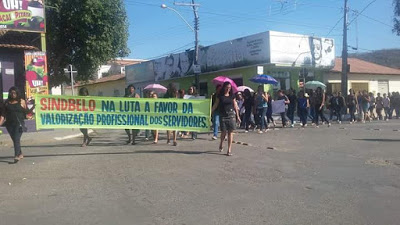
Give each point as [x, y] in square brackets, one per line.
[292, 106]
[13, 116]
[248, 109]
[319, 107]
[371, 107]
[262, 106]
[352, 104]
[226, 105]
[311, 113]
[365, 99]
[379, 106]
[282, 96]
[86, 139]
[215, 115]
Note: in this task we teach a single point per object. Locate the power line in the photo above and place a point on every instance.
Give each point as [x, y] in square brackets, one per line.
[334, 26]
[171, 52]
[368, 17]
[362, 11]
[141, 3]
[238, 16]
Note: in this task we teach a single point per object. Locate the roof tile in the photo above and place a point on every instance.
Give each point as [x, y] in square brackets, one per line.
[364, 67]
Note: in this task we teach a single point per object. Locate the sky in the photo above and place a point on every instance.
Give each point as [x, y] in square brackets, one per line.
[155, 32]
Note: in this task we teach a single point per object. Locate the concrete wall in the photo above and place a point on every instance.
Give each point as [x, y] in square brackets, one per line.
[109, 89]
[370, 79]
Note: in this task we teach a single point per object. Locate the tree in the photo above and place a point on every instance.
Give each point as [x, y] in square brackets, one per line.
[85, 34]
[396, 18]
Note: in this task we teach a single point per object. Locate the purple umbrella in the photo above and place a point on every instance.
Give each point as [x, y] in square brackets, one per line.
[264, 79]
[221, 80]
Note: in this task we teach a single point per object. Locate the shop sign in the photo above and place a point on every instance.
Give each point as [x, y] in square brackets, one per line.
[26, 15]
[36, 74]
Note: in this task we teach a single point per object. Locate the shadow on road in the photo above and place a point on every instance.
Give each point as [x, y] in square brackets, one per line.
[118, 153]
[378, 140]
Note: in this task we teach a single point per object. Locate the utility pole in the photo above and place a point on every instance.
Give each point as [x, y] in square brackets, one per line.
[72, 79]
[195, 29]
[344, 53]
[196, 47]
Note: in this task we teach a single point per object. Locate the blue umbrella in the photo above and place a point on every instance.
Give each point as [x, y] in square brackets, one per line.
[264, 79]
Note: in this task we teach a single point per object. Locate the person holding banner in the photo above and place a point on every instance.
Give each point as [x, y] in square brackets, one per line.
[192, 92]
[227, 107]
[148, 94]
[155, 132]
[13, 116]
[171, 93]
[130, 93]
[86, 139]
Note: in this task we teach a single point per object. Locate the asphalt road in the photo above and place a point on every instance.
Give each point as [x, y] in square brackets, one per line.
[346, 174]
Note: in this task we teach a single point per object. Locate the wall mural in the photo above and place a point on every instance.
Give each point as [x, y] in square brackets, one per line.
[281, 49]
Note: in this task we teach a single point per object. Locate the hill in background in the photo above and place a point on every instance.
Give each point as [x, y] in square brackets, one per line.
[385, 57]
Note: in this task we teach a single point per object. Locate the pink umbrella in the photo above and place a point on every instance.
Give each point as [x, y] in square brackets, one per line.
[221, 80]
[156, 88]
[242, 88]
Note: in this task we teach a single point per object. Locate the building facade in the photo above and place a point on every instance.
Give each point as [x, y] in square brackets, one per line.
[282, 55]
[364, 75]
[110, 80]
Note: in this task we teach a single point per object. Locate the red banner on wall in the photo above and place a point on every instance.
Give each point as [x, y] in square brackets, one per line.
[36, 74]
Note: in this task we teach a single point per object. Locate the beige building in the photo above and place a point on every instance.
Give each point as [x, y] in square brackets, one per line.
[110, 80]
[364, 75]
[111, 86]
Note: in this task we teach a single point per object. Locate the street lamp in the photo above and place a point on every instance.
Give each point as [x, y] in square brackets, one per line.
[195, 29]
[164, 6]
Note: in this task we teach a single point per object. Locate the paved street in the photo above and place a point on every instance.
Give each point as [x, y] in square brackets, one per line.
[346, 174]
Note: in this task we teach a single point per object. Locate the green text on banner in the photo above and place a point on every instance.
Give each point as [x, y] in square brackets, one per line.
[53, 112]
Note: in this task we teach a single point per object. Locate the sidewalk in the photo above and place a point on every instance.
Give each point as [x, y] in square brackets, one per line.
[42, 136]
